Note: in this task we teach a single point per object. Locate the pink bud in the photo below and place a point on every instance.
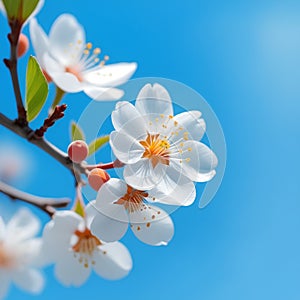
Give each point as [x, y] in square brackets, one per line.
[97, 178]
[78, 151]
[23, 45]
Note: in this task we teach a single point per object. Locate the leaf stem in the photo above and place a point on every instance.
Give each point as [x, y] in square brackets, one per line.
[59, 94]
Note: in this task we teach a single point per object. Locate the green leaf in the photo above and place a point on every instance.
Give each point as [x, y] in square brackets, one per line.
[19, 9]
[76, 132]
[36, 89]
[98, 143]
[79, 208]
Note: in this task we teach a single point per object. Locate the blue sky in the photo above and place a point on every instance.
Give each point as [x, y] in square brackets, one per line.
[243, 58]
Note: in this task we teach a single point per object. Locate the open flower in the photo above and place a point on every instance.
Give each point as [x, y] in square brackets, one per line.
[69, 243]
[119, 204]
[19, 253]
[73, 64]
[159, 149]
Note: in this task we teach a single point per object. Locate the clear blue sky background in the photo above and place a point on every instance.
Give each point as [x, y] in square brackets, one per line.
[243, 57]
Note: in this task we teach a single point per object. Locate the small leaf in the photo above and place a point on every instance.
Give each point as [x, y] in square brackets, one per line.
[19, 9]
[98, 143]
[36, 89]
[76, 132]
[79, 208]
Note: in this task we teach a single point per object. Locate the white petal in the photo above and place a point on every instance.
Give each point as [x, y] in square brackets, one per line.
[39, 41]
[126, 118]
[5, 281]
[70, 272]
[142, 176]
[103, 94]
[67, 82]
[31, 251]
[154, 100]
[127, 149]
[90, 212]
[23, 225]
[2, 229]
[110, 229]
[30, 280]
[112, 261]
[152, 226]
[66, 40]
[58, 232]
[190, 122]
[197, 161]
[110, 75]
[174, 189]
[2, 8]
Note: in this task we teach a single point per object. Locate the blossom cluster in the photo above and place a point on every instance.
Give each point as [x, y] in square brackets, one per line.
[160, 153]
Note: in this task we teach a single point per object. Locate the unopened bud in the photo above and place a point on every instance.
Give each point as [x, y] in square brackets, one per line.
[97, 178]
[23, 45]
[78, 151]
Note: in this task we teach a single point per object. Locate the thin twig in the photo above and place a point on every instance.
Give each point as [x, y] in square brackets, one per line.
[12, 65]
[57, 114]
[48, 205]
[111, 165]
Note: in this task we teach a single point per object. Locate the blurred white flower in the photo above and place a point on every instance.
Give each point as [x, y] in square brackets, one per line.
[159, 149]
[20, 253]
[69, 243]
[72, 63]
[119, 204]
[35, 12]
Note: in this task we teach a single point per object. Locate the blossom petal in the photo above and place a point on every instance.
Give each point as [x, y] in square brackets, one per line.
[126, 148]
[23, 225]
[39, 41]
[30, 280]
[152, 226]
[2, 229]
[110, 75]
[112, 261]
[70, 272]
[197, 161]
[189, 122]
[154, 100]
[66, 40]
[111, 222]
[142, 176]
[126, 118]
[57, 234]
[174, 189]
[103, 94]
[67, 82]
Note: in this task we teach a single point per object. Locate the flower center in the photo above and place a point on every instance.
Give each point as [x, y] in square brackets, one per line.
[6, 260]
[156, 149]
[85, 246]
[75, 72]
[133, 199]
[88, 60]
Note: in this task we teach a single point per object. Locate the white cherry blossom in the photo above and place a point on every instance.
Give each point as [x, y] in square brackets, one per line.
[159, 149]
[20, 253]
[69, 243]
[119, 204]
[73, 64]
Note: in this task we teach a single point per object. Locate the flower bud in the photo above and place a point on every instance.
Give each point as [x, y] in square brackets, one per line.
[97, 178]
[23, 45]
[78, 151]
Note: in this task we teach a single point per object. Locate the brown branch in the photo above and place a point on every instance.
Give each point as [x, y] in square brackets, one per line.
[47, 205]
[111, 165]
[57, 114]
[27, 133]
[12, 65]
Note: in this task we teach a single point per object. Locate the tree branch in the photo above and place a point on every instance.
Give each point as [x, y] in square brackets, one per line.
[27, 133]
[48, 205]
[12, 65]
[111, 165]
